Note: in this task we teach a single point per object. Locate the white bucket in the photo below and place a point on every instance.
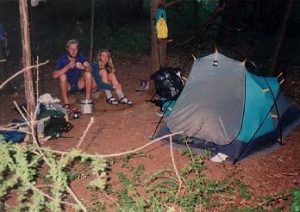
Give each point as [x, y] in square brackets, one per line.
[86, 106]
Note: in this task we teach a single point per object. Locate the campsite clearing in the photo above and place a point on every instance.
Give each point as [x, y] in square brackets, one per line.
[123, 128]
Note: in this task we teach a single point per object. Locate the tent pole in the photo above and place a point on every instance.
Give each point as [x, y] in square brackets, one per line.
[277, 110]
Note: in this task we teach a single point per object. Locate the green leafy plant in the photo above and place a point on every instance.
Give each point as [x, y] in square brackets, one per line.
[20, 170]
[244, 193]
[296, 201]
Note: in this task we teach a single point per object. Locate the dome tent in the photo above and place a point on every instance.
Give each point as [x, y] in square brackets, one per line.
[228, 110]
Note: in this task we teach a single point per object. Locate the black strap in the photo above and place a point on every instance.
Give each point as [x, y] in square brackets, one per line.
[160, 120]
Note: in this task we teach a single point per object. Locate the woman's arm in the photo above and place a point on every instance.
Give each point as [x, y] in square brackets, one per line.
[98, 80]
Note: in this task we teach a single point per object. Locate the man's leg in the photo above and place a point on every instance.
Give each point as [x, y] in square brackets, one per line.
[63, 84]
[86, 82]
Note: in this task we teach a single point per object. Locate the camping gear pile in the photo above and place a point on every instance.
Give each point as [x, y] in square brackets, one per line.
[226, 109]
[52, 118]
[52, 122]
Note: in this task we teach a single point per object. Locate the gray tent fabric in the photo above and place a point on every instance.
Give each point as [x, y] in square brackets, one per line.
[226, 109]
[214, 115]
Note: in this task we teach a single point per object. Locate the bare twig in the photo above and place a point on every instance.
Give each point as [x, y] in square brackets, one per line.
[36, 160]
[174, 165]
[70, 191]
[51, 198]
[18, 130]
[37, 81]
[21, 113]
[26, 111]
[92, 120]
[272, 199]
[20, 72]
[120, 153]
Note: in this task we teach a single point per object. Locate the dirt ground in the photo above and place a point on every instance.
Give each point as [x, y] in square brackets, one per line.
[120, 128]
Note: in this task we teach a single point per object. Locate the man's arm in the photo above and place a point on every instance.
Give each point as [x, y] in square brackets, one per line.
[57, 73]
[85, 66]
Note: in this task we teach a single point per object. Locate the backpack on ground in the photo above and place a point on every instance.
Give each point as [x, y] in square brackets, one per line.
[56, 126]
[168, 84]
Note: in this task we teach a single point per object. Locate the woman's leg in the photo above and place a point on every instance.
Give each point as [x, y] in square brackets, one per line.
[103, 74]
[113, 80]
[122, 99]
[109, 97]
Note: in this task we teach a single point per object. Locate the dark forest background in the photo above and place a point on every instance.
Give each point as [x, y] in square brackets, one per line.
[244, 29]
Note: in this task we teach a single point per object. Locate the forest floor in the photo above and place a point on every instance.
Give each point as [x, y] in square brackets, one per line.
[120, 128]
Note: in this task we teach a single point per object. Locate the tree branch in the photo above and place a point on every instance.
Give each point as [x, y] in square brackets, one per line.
[20, 72]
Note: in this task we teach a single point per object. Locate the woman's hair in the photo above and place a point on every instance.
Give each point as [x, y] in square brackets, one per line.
[109, 66]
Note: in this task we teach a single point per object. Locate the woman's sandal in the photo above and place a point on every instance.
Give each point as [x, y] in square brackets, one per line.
[112, 101]
[125, 101]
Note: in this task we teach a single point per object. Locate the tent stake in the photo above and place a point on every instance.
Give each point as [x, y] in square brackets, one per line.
[279, 75]
[194, 57]
[282, 81]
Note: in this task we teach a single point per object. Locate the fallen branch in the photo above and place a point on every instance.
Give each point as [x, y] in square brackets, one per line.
[272, 199]
[18, 130]
[174, 165]
[92, 120]
[117, 154]
[21, 113]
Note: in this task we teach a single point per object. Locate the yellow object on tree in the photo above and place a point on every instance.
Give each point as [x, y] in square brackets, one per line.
[161, 28]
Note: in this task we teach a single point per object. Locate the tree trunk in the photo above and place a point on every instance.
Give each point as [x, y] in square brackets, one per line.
[154, 47]
[158, 48]
[26, 53]
[92, 30]
[281, 37]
